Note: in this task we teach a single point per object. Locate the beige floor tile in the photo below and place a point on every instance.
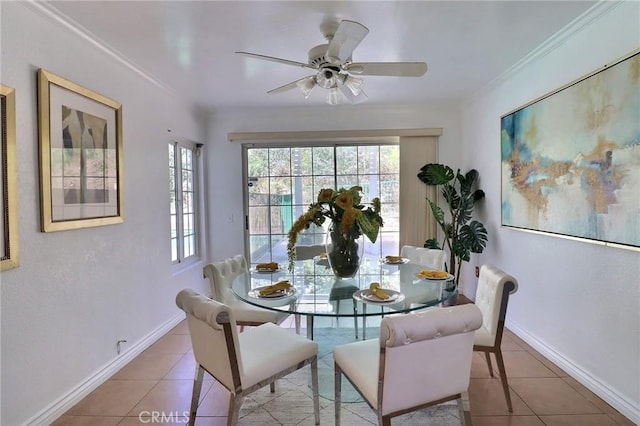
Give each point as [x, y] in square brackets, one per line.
[479, 368]
[549, 396]
[170, 418]
[550, 365]
[510, 344]
[166, 396]
[506, 421]
[113, 398]
[215, 401]
[182, 328]
[86, 421]
[487, 399]
[591, 397]
[621, 420]
[148, 367]
[171, 344]
[211, 421]
[579, 420]
[522, 364]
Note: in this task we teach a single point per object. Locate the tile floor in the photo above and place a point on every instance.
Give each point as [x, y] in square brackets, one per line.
[160, 380]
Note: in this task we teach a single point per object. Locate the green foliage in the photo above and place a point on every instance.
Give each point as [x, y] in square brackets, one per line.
[462, 236]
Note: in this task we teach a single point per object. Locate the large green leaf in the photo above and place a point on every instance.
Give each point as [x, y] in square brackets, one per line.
[438, 213]
[474, 236]
[432, 243]
[369, 226]
[435, 174]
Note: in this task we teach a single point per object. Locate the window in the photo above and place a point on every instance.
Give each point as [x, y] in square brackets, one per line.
[183, 177]
[283, 181]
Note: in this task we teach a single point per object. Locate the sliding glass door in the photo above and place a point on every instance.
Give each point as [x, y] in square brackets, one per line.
[282, 181]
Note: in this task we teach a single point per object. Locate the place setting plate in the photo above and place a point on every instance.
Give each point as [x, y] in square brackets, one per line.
[278, 295]
[394, 261]
[449, 277]
[256, 270]
[366, 295]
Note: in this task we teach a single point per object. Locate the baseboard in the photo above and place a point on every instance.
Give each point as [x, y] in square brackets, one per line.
[630, 409]
[52, 412]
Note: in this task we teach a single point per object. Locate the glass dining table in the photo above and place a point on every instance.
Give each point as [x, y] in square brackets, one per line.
[317, 294]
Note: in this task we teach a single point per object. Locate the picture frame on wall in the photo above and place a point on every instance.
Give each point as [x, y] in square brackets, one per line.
[9, 249]
[570, 160]
[81, 156]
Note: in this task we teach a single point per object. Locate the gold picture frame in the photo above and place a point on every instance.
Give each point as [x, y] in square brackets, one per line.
[9, 249]
[81, 156]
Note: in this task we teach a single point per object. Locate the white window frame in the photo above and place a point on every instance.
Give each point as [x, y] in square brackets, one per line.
[179, 196]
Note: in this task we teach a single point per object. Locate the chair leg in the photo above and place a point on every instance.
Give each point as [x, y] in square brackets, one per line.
[272, 387]
[296, 319]
[384, 420]
[195, 395]
[503, 378]
[337, 392]
[464, 409]
[235, 402]
[310, 327]
[338, 312]
[314, 389]
[488, 357]
[355, 318]
[364, 321]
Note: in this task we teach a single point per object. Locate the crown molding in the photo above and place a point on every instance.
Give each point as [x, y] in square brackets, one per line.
[48, 10]
[578, 24]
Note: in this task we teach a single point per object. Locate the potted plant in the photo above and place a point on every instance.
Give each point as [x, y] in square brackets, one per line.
[462, 236]
[349, 220]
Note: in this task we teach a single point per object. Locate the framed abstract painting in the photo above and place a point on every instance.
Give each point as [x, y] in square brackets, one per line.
[571, 159]
[81, 156]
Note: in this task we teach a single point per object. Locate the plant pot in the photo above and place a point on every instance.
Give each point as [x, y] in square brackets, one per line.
[344, 252]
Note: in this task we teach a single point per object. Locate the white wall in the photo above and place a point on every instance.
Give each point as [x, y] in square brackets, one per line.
[77, 292]
[224, 157]
[579, 303]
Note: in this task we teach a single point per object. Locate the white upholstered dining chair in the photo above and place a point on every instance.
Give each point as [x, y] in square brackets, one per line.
[492, 296]
[221, 275]
[430, 258]
[418, 361]
[242, 362]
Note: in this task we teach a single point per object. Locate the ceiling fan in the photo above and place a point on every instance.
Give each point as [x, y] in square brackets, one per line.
[335, 69]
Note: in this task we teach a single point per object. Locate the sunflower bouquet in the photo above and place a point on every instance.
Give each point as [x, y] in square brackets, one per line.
[350, 219]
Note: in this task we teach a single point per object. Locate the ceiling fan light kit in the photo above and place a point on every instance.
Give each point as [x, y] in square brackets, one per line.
[335, 67]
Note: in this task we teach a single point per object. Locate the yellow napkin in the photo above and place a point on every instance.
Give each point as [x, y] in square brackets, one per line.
[281, 286]
[378, 292]
[271, 266]
[429, 273]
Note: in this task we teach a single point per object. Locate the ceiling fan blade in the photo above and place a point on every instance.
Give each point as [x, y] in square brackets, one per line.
[397, 69]
[273, 59]
[347, 37]
[289, 86]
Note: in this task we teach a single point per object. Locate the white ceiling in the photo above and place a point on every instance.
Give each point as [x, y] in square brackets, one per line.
[189, 46]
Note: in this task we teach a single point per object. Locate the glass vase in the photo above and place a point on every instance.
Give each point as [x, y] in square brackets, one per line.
[344, 252]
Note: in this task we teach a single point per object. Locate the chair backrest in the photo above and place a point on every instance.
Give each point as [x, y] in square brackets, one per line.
[214, 337]
[221, 275]
[426, 356]
[431, 258]
[309, 252]
[492, 295]
[410, 252]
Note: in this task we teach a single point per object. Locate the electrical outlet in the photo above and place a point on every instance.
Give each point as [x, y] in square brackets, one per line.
[477, 271]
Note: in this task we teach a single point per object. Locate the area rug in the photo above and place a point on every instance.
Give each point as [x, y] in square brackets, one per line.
[291, 404]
